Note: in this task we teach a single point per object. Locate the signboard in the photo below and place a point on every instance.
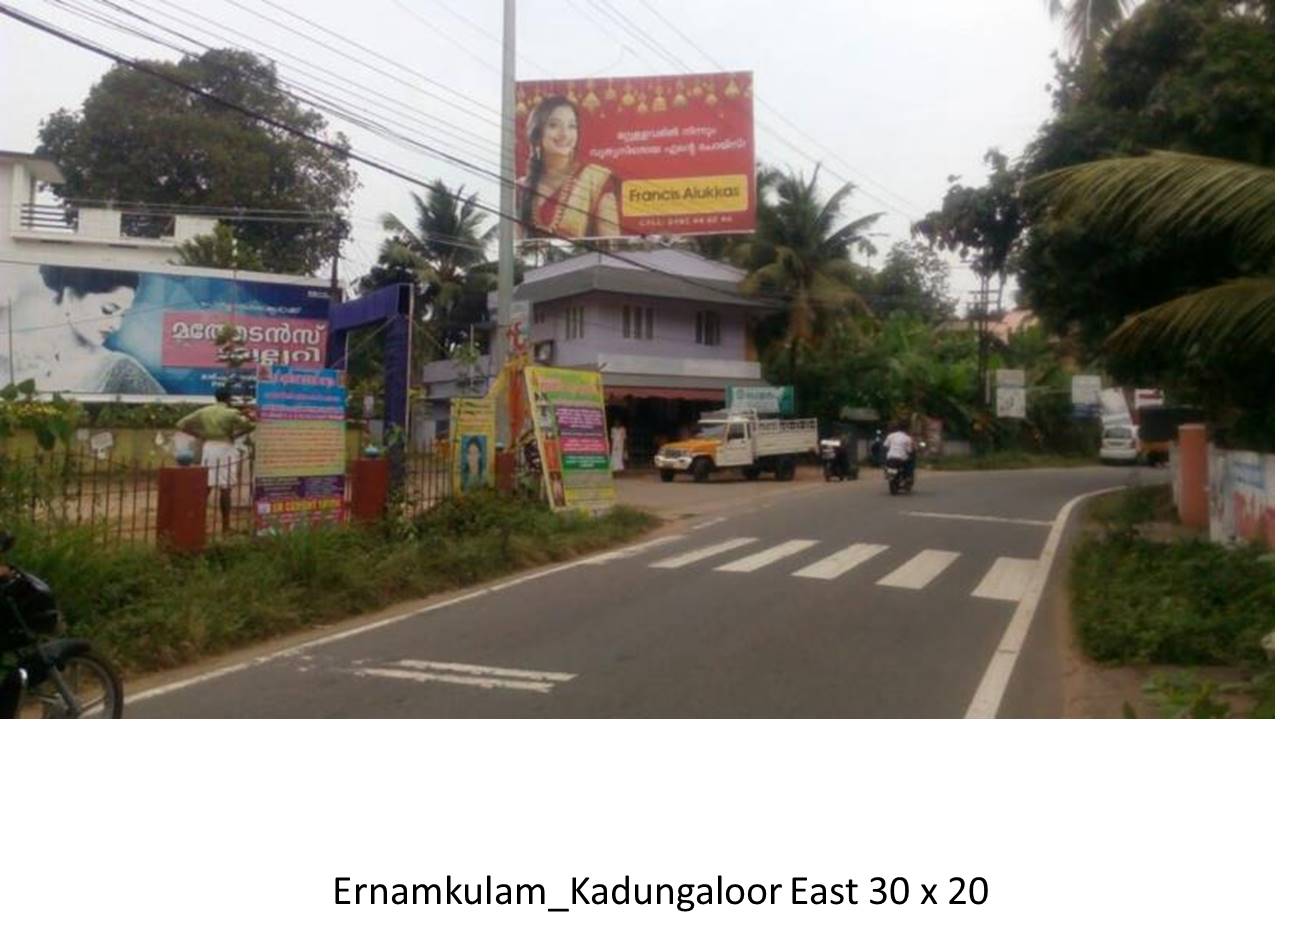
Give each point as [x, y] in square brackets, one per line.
[567, 411]
[655, 155]
[767, 400]
[1011, 378]
[1147, 398]
[300, 466]
[473, 443]
[97, 331]
[1113, 407]
[1086, 396]
[1011, 402]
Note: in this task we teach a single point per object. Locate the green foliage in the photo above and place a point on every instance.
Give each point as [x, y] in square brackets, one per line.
[1186, 695]
[53, 422]
[914, 280]
[220, 250]
[137, 139]
[149, 609]
[1185, 603]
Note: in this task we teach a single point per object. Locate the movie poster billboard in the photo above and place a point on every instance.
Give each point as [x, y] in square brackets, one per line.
[107, 332]
[473, 439]
[567, 408]
[299, 471]
[656, 155]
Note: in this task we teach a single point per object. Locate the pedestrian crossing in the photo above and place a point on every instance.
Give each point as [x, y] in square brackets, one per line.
[1005, 578]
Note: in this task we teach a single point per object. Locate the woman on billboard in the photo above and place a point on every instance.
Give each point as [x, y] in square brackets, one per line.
[559, 195]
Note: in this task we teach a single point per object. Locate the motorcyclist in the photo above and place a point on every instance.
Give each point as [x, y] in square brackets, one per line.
[900, 447]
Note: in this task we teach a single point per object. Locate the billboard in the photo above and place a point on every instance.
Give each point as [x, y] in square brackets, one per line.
[655, 155]
[99, 331]
[299, 471]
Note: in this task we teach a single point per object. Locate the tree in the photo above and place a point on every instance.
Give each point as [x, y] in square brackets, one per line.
[802, 253]
[1088, 22]
[138, 139]
[220, 250]
[914, 279]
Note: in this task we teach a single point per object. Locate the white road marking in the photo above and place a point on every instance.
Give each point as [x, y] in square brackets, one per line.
[708, 524]
[769, 556]
[1006, 579]
[920, 570]
[475, 670]
[630, 551]
[991, 690]
[689, 558]
[481, 682]
[967, 518]
[840, 562]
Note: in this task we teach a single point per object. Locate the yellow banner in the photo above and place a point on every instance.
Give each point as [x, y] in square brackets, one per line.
[473, 443]
[685, 196]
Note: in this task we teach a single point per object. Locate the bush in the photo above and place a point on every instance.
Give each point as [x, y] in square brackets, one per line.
[148, 610]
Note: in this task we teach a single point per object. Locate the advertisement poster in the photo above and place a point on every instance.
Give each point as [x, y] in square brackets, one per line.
[654, 155]
[473, 436]
[300, 465]
[104, 332]
[567, 407]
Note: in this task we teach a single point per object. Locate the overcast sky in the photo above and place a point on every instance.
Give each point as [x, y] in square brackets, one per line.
[893, 96]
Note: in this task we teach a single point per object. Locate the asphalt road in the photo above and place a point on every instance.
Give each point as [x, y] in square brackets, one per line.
[833, 600]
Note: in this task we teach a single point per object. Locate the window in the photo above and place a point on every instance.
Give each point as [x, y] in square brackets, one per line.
[574, 323]
[538, 317]
[637, 322]
[707, 328]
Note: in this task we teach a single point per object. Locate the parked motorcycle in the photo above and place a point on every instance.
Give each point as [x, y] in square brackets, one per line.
[837, 460]
[42, 674]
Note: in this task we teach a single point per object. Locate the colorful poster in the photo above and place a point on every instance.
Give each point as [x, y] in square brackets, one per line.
[106, 332]
[567, 407]
[299, 473]
[473, 436]
[655, 155]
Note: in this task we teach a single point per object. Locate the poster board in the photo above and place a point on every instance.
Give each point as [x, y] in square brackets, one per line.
[473, 444]
[299, 473]
[567, 413]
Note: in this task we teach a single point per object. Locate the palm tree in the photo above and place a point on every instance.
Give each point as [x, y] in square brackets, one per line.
[803, 253]
[1184, 194]
[1088, 23]
[448, 235]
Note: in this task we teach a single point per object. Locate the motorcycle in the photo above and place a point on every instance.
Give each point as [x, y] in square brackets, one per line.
[836, 459]
[900, 474]
[48, 675]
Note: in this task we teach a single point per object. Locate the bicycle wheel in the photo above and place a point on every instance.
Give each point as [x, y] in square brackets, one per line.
[93, 683]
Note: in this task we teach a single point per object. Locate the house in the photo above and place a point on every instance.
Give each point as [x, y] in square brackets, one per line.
[669, 330]
[1001, 325]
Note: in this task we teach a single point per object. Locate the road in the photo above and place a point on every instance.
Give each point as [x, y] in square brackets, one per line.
[828, 600]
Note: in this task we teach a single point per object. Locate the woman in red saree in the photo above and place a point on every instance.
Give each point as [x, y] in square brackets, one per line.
[560, 196]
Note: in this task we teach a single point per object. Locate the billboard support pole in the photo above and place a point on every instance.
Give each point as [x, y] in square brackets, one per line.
[505, 230]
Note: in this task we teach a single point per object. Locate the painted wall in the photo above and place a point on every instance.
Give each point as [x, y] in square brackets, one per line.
[1241, 496]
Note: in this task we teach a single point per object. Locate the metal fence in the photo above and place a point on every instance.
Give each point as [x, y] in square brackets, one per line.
[118, 500]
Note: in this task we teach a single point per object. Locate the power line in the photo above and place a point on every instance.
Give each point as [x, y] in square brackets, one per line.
[339, 149]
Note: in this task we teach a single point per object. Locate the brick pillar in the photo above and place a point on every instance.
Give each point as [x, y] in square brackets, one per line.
[182, 508]
[369, 488]
[1192, 443]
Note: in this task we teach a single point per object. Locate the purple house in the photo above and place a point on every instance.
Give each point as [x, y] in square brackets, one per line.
[668, 329]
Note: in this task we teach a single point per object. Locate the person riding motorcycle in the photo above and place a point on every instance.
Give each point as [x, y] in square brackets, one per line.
[899, 450]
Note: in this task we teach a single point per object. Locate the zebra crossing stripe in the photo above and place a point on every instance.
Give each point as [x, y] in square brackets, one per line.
[770, 556]
[920, 570]
[689, 558]
[1006, 579]
[841, 562]
[631, 551]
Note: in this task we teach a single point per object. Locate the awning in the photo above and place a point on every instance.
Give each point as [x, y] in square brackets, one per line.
[679, 394]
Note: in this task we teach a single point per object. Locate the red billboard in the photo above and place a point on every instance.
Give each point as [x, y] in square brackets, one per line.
[619, 157]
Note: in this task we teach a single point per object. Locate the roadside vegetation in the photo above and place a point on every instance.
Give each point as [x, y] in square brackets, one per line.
[151, 610]
[1145, 595]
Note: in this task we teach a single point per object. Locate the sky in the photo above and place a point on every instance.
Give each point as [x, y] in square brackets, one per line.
[894, 97]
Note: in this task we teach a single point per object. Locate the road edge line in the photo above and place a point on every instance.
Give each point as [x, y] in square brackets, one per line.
[986, 702]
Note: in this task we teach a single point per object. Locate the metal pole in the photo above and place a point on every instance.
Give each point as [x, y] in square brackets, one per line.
[505, 237]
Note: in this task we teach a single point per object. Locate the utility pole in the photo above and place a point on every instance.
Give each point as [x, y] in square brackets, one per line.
[505, 239]
[333, 273]
[980, 307]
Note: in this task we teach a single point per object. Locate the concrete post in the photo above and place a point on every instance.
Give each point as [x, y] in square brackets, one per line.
[182, 508]
[1192, 443]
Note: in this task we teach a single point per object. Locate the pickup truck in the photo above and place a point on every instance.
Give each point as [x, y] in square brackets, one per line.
[739, 439]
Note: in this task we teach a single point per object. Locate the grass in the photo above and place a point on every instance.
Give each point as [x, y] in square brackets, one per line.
[1183, 603]
[1010, 460]
[149, 610]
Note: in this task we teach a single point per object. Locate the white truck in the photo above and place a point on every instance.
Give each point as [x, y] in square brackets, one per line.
[740, 439]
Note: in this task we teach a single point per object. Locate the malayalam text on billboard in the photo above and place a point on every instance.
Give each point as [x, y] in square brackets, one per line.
[100, 331]
[614, 157]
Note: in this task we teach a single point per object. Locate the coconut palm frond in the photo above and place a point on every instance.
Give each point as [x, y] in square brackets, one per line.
[1239, 315]
[1170, 193]
[393, 224]
[1087, 22]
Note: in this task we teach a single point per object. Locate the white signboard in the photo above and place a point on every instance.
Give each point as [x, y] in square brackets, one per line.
[1011, 402]
[1086, 390]
[1011, 378]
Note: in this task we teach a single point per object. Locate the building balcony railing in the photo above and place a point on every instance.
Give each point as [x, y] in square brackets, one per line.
[48, 218]
[43, 221]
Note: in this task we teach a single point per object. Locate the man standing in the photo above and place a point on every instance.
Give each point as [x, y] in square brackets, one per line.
[217, 426]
